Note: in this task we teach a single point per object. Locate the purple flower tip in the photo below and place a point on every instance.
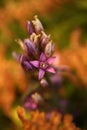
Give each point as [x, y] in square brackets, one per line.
[30, 47]
[30, 27]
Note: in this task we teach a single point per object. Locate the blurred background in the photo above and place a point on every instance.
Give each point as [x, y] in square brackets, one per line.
[66, 21]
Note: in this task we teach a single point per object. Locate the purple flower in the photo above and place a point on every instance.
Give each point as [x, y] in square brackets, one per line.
[30, 104]
[32, 101]
[44, 64]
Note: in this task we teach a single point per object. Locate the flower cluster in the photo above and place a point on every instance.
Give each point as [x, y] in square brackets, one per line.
[38, 50]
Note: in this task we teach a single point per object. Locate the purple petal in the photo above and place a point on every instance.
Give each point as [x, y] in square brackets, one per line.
[34, 105]
[51, 70]
[22, 58]
[42, 57]
[24, 62]
[30, 47]
[51, 60]
[27, 65]
[35, 63]
[30, 27]
[30, 104]
[41, 74]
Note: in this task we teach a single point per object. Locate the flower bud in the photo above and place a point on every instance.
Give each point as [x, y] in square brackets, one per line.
[35, 39]
[43, 83]
[30, 47]
[20, 42]
[30, 27]
[37, 97]
[37, 25]
[44, 39]
[25, 62]
[49, 49]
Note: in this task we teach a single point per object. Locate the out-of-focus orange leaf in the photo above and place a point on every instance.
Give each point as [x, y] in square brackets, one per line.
[75, 56]
[39, 121]
[11, 75]
[25, 9]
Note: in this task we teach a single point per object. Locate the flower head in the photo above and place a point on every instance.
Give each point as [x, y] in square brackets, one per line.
[38, 49]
